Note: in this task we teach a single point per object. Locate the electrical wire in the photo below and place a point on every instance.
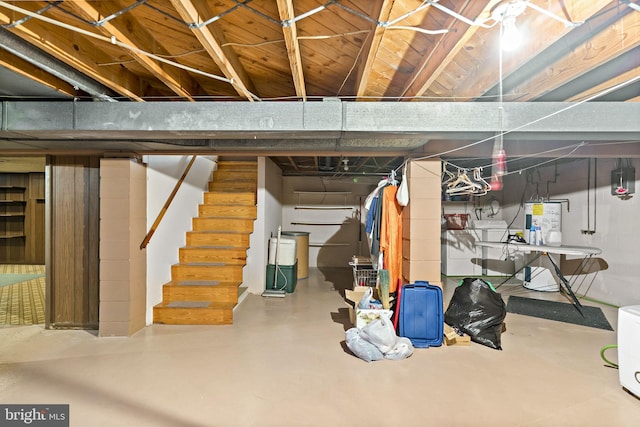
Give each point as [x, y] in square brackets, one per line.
[545, 117]
[114, 41]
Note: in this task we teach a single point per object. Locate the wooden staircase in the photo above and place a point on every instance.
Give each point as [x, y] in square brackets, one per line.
[204, 286]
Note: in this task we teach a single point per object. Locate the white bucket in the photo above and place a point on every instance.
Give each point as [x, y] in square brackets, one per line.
[286, 251]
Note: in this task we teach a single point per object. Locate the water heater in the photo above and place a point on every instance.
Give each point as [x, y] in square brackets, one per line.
[629, 348]
[546, 215]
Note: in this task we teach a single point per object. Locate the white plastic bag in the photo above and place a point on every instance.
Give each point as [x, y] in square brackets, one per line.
[402, 195]
[361, 347]
[364, 301]
[402, 349]
[367, 302]
[381, 333]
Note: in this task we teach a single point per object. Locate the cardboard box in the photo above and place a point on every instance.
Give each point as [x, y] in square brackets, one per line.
[413, 270]
[416, 249]
[360, 317]
[451, 337]
[427, 229]
[425, 168]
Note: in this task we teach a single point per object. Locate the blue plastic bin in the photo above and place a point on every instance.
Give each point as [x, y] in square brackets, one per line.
[421, 314]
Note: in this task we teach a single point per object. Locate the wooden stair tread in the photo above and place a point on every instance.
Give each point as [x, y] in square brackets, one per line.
[205, 283]
[222, 247]
[196, 304]
[226, 217]
[188, 304]
[218, 232]
[206, 264]
[212, 283]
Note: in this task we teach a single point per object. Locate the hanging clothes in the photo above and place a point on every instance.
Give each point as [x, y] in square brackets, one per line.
[391, 235]
[372, 228]
[373, 206]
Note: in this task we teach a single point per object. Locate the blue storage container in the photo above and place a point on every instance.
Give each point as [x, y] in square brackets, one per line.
[421, 314]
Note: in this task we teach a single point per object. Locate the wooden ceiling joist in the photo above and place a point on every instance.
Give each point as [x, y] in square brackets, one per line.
[230, 65]
[120, 29]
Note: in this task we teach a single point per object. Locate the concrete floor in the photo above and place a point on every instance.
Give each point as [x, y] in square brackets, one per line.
[283, 363]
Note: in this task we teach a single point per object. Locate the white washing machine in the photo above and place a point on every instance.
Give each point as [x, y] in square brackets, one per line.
[629, 348]
[460, 256]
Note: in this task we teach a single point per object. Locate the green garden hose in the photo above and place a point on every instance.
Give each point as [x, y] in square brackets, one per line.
[605, 348]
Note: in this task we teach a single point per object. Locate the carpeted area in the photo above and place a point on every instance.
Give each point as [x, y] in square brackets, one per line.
[12, 279]
[22, 294]
[558, 311]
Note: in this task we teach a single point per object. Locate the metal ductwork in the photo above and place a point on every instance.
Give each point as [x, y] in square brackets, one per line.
[18, 47]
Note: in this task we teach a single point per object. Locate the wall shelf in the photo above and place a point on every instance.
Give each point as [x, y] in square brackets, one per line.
[315, 223]
[21, 236]
[313, 207]
[328, 217]
[325, 193]
[324, 245]
[12, 235]
[12, 211]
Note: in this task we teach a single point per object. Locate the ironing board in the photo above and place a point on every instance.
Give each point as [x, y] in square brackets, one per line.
[585, 252]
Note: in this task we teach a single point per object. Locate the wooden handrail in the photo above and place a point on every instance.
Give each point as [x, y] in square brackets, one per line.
[155, 225]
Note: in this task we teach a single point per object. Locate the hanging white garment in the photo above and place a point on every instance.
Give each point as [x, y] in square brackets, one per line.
[402, 196]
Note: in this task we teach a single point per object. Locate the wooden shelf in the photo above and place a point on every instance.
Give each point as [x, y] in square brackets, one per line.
[332, 208]
[13, 209]
[12, 235]
[316, 223]
[325, 193]
[22, 219]
[318, 207]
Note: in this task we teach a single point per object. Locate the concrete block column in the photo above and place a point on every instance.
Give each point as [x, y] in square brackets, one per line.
[123, 265]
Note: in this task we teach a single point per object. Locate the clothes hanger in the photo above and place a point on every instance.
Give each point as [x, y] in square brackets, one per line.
[392, 178]
[447, 176]
[463, 185]
[485, 187]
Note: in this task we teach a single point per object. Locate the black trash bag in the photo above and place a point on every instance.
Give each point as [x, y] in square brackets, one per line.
[478, 310]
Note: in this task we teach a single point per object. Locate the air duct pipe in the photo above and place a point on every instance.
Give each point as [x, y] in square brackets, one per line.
[18, 47]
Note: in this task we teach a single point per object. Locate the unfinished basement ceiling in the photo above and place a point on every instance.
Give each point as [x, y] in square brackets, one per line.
[314, 51]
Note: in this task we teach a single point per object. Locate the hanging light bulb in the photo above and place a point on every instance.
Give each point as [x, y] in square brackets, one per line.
[510, 37]
[505, 13]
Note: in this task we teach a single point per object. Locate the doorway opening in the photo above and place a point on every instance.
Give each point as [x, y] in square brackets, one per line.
[22, 241]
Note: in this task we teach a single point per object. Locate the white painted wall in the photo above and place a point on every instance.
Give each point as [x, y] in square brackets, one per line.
[329, 245]
[269, 197]
[163, 172]
[614, 220]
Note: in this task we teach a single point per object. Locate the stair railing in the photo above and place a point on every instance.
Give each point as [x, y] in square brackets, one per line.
[156, 223]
